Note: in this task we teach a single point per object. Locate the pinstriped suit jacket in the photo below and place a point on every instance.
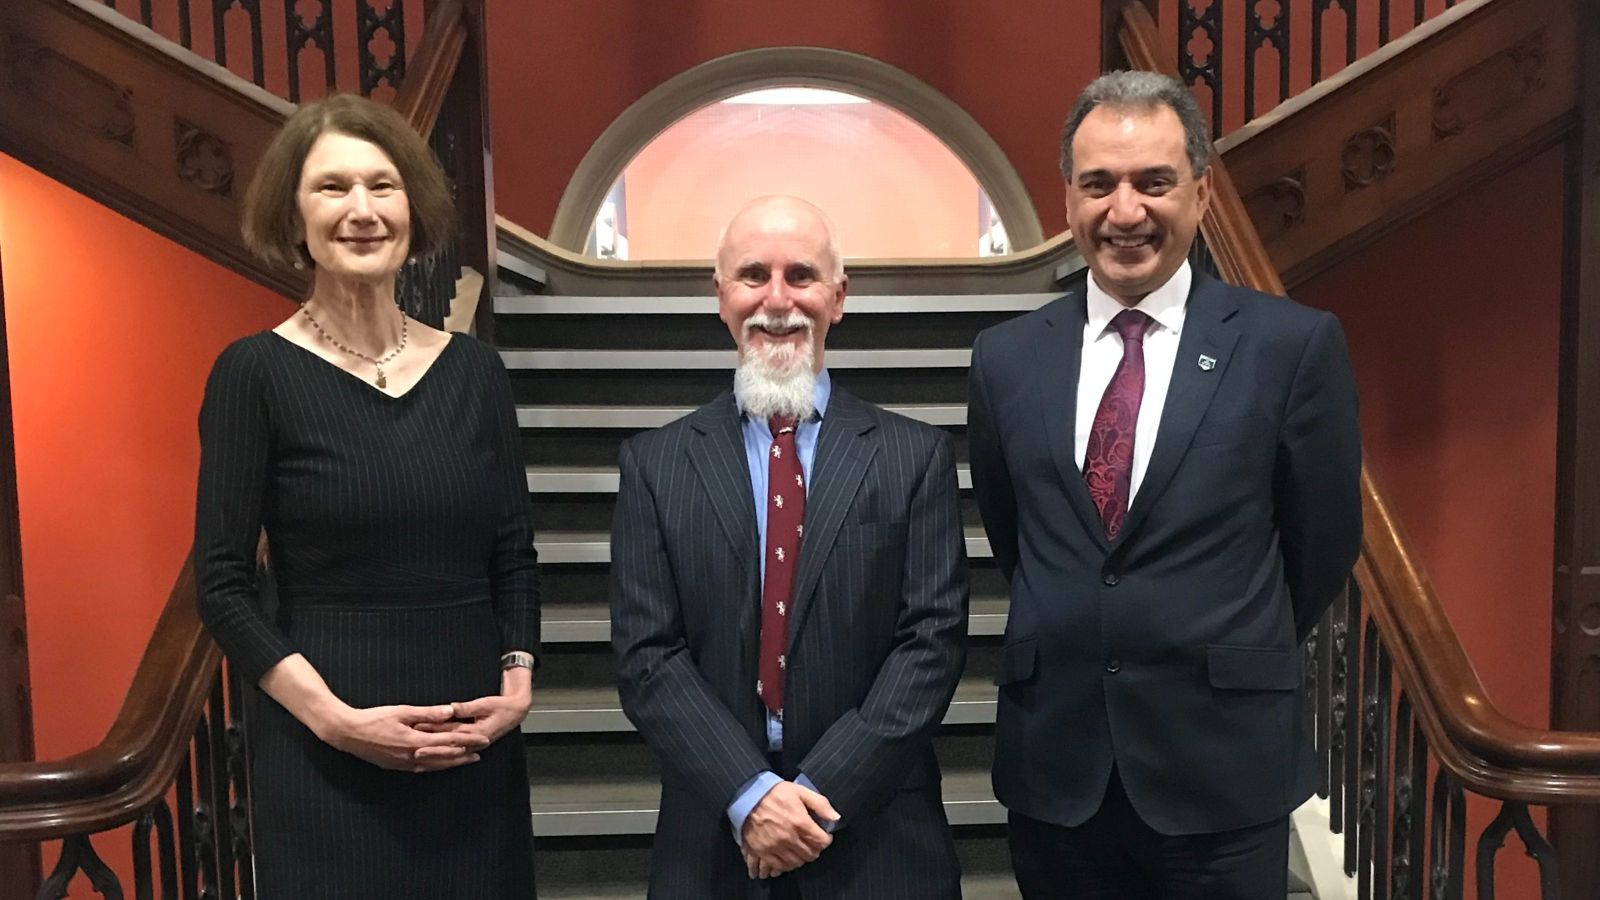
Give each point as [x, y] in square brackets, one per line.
[876, 645]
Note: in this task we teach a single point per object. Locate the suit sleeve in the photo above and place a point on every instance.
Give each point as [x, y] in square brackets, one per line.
[1317, 485]
[235, 450]
[663, 693]
[991, 480]
[861, 760]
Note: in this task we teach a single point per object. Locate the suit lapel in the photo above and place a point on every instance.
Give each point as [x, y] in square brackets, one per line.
[843, 453]
[1059, 357]
[717, 455]
[1205, 333]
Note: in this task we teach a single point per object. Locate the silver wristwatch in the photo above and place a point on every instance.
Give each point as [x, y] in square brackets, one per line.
[516, 658]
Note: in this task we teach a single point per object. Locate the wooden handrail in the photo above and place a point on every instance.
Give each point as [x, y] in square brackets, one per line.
[434, 66]
[112, 782]
[1487, 751]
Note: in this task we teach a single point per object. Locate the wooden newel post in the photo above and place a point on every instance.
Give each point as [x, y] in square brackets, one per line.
[1111, 55]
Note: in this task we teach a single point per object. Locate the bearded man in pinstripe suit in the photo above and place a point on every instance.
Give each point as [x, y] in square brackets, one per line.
[788, 605]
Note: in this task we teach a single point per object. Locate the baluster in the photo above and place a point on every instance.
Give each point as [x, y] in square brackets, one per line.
[146, 15]
[1338, 709]
[1202, 26]
[239, 822]
[1352, 729]
[217, 775]
[301, 36]
[205, 819]
[1447, 844]
[1373, 857]
[1257, 34]
[1319, 9]
[188, 840]
[392, 23]
[143, 878]
[166, 851]
[219, 34]
[77, 855]
[1410, 792]
[1324, 669]
[185, 26]
[1383, 22]
[1514, 815]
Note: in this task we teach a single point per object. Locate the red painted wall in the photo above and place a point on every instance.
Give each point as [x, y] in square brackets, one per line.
[112, 330]
[1453, 323]
[1014, 68]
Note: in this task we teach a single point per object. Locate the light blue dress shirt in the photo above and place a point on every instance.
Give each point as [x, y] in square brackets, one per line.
[757, 443]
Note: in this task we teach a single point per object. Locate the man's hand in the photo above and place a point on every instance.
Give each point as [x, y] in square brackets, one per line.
[780, 834]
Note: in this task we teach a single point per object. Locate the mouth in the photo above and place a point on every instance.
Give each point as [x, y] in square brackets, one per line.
[363, 241]
[778, 331]
[1129, 242]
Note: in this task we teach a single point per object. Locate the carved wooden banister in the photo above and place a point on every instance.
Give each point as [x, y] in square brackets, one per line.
[434, 67]
[112, 782]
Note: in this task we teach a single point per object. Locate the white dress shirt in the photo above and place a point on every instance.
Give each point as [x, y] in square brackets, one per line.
[1102, 350]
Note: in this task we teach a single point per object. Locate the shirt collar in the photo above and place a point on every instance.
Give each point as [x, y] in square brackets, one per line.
[819, 396]
[1166, 304]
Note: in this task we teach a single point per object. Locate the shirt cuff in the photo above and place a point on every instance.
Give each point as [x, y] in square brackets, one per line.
[806, 783]
[746, 799]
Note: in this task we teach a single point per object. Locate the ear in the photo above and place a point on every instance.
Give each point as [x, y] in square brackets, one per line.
[1202, 189]
[838, 299]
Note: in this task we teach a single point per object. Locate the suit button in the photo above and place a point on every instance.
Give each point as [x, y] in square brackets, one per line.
[1113, 666]
[1110, 579]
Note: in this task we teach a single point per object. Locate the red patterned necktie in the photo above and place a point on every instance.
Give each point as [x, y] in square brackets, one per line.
[1108, 461]
[786, 512]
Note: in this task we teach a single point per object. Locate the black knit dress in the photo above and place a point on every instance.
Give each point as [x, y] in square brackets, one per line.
[403, 554]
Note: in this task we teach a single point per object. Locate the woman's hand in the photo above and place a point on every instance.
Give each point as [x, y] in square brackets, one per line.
[402, 738]
[491, 718]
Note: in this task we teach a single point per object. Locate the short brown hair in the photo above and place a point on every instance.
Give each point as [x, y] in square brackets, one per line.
[270, 214]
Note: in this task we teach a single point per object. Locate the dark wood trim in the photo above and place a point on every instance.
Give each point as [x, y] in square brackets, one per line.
[469, 94]
[19, 863]
[1575, 638]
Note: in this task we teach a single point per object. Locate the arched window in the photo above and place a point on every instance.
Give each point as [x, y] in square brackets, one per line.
[890, 186]
[903, 171]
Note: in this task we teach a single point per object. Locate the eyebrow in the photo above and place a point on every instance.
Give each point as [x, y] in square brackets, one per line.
[368, 175]
[1152, 172]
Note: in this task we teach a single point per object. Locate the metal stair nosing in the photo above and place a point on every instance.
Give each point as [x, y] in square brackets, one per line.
[706, 305]
[603, 480]
[591, 624]
[639, 417]
[558, 548]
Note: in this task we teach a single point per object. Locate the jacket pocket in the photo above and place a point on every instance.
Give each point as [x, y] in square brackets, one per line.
[1016, 661]
[1253, 668]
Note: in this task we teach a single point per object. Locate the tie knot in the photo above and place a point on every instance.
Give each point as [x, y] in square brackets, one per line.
[1130, 325]
[780, 424]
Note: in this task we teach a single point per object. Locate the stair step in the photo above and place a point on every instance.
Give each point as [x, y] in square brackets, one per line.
[580, 623]
[973, 887]
[724, 360]
[587, 709]
[656, 416]
[540, 304]
[557, 547]
[603, 479]
[612, 807]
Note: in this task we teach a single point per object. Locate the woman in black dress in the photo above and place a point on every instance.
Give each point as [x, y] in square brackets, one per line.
[381, 457]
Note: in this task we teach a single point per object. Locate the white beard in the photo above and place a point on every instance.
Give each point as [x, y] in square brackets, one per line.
[776, 380]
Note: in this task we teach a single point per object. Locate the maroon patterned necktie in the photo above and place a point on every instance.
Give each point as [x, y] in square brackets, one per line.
[1108, 461]
[786, 512]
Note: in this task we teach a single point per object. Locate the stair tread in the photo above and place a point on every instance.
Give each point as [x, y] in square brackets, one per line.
[598, 708]
[557, 479]
[985, 886]
[557, 547]
[706, 305]
[570, 623]
[597, 359]
[580, 416]
[600, 805]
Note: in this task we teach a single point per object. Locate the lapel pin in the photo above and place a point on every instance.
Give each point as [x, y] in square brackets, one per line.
[1207, 363]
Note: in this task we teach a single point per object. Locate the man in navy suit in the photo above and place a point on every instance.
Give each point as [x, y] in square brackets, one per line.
[789, 605]
[1168, 468]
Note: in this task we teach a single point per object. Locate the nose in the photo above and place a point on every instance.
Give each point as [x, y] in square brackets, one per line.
[1127, 207]
[360, 203]
[775, 297]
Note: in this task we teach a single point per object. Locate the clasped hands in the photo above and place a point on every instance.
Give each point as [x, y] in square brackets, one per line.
[431, 738]
[782, 833]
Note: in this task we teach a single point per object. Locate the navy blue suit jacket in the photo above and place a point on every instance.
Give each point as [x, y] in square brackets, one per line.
[1173, 652]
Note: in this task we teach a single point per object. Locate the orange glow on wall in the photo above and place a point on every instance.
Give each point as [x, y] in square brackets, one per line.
[891, 188]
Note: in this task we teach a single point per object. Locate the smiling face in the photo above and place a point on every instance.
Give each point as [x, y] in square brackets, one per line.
[1133, 201]
[353, 209]
[779, 286]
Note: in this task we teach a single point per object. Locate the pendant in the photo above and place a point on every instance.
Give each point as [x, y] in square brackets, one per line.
[382, 381]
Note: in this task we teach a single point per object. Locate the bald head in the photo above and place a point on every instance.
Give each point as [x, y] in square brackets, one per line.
[779, 216]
